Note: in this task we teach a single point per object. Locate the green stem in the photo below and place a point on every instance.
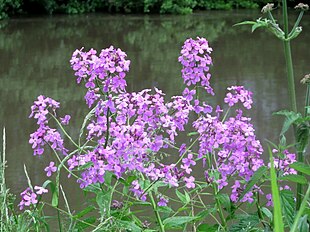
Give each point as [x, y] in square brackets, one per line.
[161, 225]
[108, 129]
[296, 23]
[59, 222]
[219, 208]
[307, 102]
[290, 75]
[301, 210]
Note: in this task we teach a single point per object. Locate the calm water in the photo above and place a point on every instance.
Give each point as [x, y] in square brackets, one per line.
[35, 53]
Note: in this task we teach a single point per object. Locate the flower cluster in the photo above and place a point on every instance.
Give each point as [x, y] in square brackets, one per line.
[234, 145]
[29, 197]
[196, 60]
[129, 132]
[282, 163]
[105, 72]
[40, 110]
[239, 94]
[130, 129]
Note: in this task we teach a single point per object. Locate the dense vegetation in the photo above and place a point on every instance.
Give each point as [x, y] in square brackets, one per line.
[19, 7]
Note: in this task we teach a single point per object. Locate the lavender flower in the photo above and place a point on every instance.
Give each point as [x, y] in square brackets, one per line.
[50, 169]
[29, 197]
[239, 93]
[196, 60]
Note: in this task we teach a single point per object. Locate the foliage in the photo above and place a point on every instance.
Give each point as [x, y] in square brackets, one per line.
[13, 7]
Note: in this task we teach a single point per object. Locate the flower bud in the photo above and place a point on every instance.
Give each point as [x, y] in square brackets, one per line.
[302, 6]
[267, 8]
[306, 79]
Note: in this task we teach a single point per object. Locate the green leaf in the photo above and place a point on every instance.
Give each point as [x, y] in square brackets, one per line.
[294, 178]
[302, 136]
[204, 213]
[277, 213]
[290, 118]
[288, 206]
[267, 213]
[303, 225]
[303, 207]
[254, 179]
[245, 23]
[86, 223]
[128, 225]
[192, 133]
[103, 200]
[84, 212]
[225, 201]
[246, 223]
[177, 222]
[86, 119]
[206, 227]
[301, 167]
[182, 197]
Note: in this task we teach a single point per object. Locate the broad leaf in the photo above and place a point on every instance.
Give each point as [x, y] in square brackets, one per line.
[288, 206]
[301, 167]
[295, 178]
[303, 225]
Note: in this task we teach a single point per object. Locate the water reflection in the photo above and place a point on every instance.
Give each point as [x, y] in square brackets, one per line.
[35, 55]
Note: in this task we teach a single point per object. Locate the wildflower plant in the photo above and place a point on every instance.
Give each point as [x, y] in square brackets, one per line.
[124, 149]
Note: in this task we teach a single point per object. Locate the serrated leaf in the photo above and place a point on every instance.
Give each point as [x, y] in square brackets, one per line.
[254, 179]
[177, 222]
[290, 118]
[288, 206]
[294, 178]
[301, 167]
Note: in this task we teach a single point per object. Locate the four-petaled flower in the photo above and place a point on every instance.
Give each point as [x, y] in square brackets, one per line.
[50, 169]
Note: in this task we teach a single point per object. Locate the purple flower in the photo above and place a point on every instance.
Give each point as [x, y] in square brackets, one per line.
[239, 93]
[65, 120]
[50, 169]
[189, 182]
[28, 198]
[196, 60]
[162, 201]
